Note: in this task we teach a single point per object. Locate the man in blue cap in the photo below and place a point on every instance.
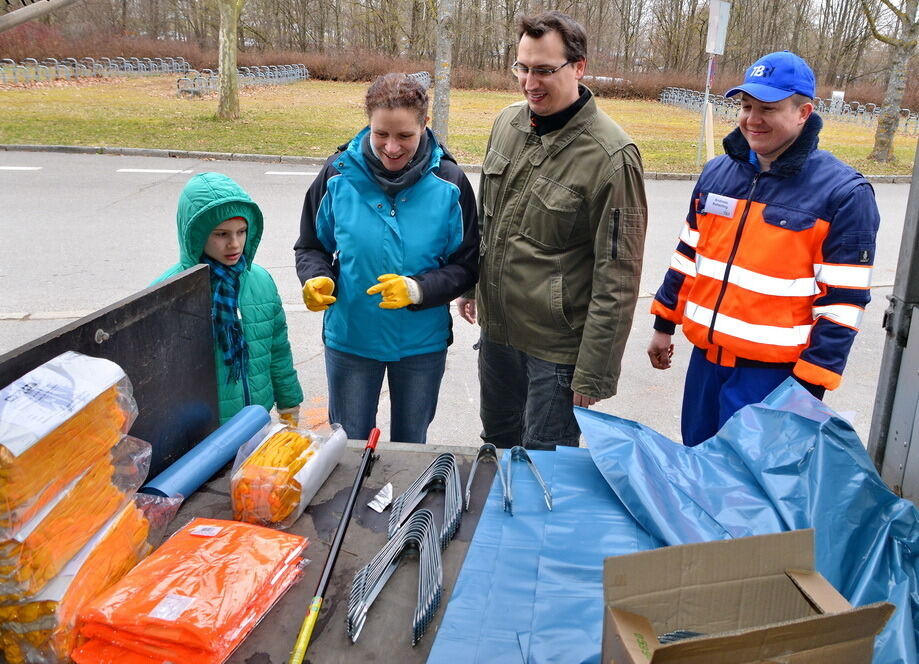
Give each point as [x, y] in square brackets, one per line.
[772, 272]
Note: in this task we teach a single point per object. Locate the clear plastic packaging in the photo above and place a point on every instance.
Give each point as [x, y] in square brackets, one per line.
[278, 471]
[42, 547]
[194, 599]
[56, 422]
[42, 629]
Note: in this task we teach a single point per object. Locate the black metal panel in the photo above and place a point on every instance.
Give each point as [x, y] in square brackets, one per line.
[163, 340]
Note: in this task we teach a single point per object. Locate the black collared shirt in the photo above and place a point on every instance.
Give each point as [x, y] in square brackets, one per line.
[543, 124]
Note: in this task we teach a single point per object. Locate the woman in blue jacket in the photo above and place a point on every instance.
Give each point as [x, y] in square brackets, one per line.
[388, 237]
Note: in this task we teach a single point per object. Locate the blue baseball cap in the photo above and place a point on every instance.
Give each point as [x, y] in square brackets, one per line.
[777, 76]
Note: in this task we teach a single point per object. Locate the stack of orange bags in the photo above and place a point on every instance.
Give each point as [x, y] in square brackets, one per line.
[43, 628]
[194, 599]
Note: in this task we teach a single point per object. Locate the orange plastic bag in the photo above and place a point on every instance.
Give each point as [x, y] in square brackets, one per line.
[195, 599]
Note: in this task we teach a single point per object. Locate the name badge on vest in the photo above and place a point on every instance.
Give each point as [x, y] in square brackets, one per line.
[723, 206]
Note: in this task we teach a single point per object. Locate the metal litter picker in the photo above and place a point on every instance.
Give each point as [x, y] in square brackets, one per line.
[306, 630]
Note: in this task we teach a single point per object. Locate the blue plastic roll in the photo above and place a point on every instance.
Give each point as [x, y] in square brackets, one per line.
[200, 463]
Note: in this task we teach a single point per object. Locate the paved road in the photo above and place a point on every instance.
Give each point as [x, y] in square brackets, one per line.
[82, 231]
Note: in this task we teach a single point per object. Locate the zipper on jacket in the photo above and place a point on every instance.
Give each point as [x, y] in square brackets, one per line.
[727, 268]
[614, 248]
[246, 395]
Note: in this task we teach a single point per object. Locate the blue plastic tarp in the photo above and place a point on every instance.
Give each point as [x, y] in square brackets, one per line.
[785, 464]
[531, 586]
[530, 589]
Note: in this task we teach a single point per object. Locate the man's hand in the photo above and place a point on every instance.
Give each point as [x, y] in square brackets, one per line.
[584, 401]
[317, 293]
[660, 350]
[466, 307]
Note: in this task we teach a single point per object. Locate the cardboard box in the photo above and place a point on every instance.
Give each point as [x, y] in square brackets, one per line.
[755, 600]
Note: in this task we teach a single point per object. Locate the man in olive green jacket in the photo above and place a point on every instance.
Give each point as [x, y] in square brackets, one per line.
[563, 216]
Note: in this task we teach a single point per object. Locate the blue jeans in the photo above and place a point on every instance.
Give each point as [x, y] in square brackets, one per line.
[525, 400]
[712, 394]
[354, 393]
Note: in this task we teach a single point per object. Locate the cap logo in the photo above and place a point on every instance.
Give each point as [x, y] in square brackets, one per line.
[761, 70]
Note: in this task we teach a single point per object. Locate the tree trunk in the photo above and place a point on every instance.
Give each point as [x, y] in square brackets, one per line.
[228, 77]
[890, 115]
[443, 64]
[901, 51]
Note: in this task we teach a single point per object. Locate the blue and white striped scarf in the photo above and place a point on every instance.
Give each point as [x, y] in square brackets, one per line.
[228, 330]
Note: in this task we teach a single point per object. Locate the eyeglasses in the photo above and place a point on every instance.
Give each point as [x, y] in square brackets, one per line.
[523, 70]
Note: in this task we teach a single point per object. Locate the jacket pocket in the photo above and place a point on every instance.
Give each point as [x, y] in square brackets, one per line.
[559, 302]
[492, 169]
[788, 218]
[551, 214]
[627, 234]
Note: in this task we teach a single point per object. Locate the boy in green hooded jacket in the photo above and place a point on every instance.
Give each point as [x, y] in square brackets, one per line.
[220, 226]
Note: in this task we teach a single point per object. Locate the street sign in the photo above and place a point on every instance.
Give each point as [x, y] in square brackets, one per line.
[719, 11]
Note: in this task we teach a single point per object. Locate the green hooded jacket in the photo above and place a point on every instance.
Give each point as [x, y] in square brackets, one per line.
[208, 200]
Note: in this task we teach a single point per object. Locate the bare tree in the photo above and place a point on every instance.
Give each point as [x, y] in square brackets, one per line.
[228, 77]
[842, 35]
[443, 65]
[678, 37]
[902, 46]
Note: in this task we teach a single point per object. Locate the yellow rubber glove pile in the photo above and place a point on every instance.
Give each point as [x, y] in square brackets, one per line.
[32, 479]
[264, 488]
[44, 629]
[29, 560]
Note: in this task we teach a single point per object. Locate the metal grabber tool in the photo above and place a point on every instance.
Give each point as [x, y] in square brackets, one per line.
[519, 453]
[306, 630]
[487, 452]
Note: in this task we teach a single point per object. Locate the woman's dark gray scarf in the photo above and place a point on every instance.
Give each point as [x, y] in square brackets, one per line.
[392, 182]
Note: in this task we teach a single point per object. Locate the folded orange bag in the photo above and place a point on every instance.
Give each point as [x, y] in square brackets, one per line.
[195, 598]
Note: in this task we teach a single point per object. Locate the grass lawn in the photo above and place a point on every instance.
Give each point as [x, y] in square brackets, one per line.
[312, 117]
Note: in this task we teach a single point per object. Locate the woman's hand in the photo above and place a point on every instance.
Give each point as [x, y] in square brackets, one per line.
[397, 291]
[317, 293]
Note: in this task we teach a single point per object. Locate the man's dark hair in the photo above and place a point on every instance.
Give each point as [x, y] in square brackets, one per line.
[571, 32]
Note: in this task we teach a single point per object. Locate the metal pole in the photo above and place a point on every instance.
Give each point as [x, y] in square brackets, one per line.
[708, 87]
[306, 630]
[890, 459]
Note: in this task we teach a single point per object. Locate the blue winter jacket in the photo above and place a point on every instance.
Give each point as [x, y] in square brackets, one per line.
[352, 232]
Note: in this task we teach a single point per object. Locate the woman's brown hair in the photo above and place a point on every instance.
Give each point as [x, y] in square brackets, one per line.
[397, 91]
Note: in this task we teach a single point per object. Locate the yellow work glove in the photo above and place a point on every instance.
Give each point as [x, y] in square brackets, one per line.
[317, 293]
[290, 416]
[397, 291]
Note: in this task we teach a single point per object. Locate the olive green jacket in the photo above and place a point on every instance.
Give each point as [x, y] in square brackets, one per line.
[563, 220]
